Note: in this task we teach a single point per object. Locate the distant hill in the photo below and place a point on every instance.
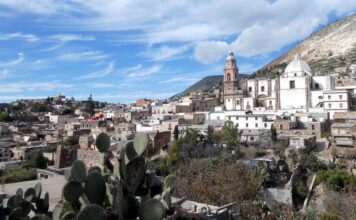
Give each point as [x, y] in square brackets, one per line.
[205, 84]
[332, 49]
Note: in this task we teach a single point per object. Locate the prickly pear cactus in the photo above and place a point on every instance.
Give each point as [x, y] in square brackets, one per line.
[152, 209]
[95, 188]
[72, 191]
[78, 171]
[103, 142]
[92, 212]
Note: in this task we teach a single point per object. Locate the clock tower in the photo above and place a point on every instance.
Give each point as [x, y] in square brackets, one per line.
[232, 94]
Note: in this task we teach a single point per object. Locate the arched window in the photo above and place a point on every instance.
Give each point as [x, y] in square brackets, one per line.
[228, 77]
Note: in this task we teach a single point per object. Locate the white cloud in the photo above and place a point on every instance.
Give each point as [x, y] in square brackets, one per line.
[164, 53]
[210, 51]
[83, 56]
[19, 36]
[72, 37]
[101, 73]
[4, 73]
[141, 72]
[32, 86]
[13, 63]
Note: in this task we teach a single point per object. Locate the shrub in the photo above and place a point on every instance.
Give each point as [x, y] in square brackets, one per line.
[336, 179]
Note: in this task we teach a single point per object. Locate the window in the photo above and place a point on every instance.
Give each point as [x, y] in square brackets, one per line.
[237, 125]
[256, 125]
[246, 118]
[340, 96]
[237, 118]
[280, 127]
[246, 125]
[316, 86]
[262, 88]
[341, 105]
[313, 127]
[250, 89]
[265, 125]
[256, 118]
[295, 74]
[270, 102]
[291, 84]
[329, 97]
[329, 105]
[228, 77]
[252, 138]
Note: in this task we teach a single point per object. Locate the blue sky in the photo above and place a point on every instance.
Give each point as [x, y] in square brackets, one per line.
[121, 50]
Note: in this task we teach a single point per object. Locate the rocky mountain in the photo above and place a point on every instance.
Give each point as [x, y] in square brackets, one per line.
[205, 84]
[332, 49]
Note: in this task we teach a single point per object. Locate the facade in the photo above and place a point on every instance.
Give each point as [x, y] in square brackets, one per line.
[311, 93]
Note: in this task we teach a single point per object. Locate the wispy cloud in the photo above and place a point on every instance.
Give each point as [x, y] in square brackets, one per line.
[83, 56]
[164, 53]
[72, 37]
[19, 36]
[145, 71]
[64, 38]
[13, 63]
[180, 80]
[101, 73]
[33, 86]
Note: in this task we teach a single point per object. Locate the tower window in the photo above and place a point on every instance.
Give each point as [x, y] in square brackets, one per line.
[262, 88]
[329, 97]
[256, 125]
[250, 89]
[246, 125]
[295, 74]
[340, 96]
[316, 85]
[292, 84]
[330, 105]
[228, 77]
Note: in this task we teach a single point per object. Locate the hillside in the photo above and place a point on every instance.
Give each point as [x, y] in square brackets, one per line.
[331, 49]
[205, 84]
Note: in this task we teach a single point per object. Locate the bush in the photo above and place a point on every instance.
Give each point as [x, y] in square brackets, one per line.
[336, 179]
[260, 153]
[5, 117]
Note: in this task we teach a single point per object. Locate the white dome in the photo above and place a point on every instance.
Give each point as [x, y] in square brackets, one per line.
[297, 65]
[230, 56]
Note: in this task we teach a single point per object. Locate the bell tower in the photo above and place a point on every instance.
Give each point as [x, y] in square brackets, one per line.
[232, 94]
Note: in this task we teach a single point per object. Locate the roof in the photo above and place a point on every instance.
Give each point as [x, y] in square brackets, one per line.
[297, 65]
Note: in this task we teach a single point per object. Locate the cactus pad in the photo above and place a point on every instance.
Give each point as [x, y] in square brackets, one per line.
[78, 171]
[103, 142]
[16, 214]
[38, 190]
[40, 217]
[95, 188]
[26, 207]
[19, 192]
[135, 174]
[170, 181]
[72, 191]
[30, 195]
[92, 212]
[130, 207]
[94, 169]
[140, 143]
[152, 209]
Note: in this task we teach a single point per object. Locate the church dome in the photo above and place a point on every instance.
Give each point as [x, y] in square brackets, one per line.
[297, 65]
[230, 56]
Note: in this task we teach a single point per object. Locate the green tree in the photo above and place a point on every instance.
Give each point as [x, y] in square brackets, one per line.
[210, 134]
[37, 160]
[176, 132]
[90, 105]
[5, 117]
[229, 134]
[273, 134]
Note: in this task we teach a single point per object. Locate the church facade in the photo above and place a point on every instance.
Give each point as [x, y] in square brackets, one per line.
[296, 90]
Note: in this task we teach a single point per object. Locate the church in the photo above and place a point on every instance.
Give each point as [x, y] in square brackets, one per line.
[296, 90]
